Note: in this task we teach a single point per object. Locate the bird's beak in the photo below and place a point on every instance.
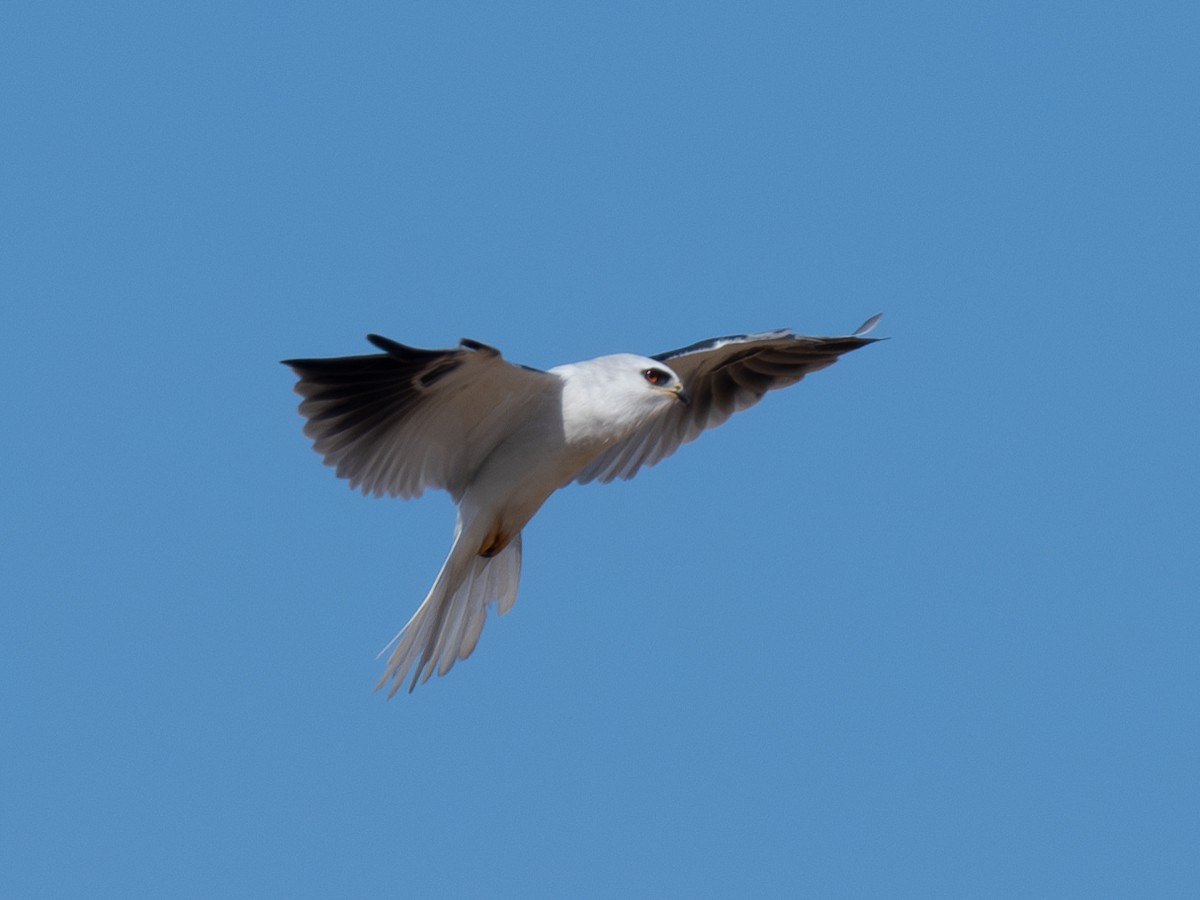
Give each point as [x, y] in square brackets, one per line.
[681, 395]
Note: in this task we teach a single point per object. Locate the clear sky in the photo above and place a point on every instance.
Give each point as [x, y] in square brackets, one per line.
[925, 625]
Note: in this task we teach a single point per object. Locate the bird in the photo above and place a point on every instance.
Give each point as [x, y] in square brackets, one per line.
[502, 437]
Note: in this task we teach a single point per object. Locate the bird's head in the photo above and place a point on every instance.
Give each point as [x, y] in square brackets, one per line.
[617, 393]
[637, 382]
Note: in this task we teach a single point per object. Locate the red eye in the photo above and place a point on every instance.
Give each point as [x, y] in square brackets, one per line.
[656, 376]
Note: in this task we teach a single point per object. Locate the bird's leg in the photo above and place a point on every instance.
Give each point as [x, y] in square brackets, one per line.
[497, 539]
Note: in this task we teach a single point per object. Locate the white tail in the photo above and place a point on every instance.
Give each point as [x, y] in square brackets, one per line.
[446, 626]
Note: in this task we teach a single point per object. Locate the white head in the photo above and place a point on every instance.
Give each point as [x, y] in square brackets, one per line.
[610, 396]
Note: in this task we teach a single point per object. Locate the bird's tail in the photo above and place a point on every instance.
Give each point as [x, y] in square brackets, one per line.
[446, 626]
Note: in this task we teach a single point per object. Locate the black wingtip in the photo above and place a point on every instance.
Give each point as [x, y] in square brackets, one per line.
[478, 347]
[387, 345]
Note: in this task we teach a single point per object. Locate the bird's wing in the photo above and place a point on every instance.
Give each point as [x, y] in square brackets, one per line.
[721, 376]
[408, 419]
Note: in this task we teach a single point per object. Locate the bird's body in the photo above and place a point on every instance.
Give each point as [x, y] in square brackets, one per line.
[502, 438]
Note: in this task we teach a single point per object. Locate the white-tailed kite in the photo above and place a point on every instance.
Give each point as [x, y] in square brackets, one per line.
[501, 438]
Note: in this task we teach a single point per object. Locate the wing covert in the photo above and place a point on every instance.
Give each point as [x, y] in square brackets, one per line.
[409, 419]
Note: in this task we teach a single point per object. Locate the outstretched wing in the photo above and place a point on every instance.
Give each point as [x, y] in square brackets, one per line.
[722, 376]
[408, 419]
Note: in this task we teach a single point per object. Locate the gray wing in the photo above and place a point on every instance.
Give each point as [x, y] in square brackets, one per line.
[408, 419]
[722, 376]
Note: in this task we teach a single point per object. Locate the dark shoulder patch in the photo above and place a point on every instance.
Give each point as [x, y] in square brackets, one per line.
[699, 346]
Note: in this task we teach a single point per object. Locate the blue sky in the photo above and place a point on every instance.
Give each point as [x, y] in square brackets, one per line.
[922, 626]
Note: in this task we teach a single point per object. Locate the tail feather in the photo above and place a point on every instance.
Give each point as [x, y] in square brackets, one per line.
[447, 625]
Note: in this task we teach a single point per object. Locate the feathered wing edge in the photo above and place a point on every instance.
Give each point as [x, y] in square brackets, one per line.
[723, 376]
[406, 420]
[446, 626]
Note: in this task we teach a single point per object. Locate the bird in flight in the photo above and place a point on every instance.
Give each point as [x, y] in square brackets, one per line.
[501, 438]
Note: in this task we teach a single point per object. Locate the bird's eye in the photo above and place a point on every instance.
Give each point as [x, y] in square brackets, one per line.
[656, 377]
